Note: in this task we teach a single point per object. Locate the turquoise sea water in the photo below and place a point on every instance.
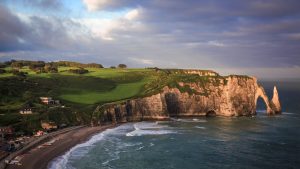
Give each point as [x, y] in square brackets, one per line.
[238, 142]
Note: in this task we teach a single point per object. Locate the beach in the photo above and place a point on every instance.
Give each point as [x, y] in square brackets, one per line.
[41, 155]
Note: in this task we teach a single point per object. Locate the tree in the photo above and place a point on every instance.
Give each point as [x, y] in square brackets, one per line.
[122, 66]
[78, 71]
[37, 66]
[51, 68]
[113, 67]
[17, 65]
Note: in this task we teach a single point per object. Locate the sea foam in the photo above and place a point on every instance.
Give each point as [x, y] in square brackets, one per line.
[149, 128]
[77, 151]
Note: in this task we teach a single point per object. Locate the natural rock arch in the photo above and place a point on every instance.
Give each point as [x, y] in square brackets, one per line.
[260, 92]
[273, 106]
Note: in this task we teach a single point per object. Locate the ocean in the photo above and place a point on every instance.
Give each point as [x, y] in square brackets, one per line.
[259, 142]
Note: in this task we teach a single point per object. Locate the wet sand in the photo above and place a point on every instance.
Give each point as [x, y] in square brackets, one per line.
[39, 158]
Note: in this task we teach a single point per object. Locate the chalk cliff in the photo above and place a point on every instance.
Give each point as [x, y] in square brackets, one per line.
[230, 96]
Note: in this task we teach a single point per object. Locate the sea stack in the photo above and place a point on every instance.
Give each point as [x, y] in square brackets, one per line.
[275, 103]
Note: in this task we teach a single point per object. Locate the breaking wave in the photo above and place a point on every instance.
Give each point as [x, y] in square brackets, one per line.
[187, 120]
[148, 128]
[200, 127]
[77, 151]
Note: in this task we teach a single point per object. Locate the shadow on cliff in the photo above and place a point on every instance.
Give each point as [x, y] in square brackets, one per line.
[172, 102]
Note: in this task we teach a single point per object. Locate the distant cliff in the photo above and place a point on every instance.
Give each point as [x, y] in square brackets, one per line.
[228, 96]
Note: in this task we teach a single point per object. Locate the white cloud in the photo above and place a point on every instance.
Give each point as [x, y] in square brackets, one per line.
[94, 5]
[104, 28]
[143, 61]
[216, 43]
[133, 14]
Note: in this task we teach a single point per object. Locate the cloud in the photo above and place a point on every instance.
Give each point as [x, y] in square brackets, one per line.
[93, 5]
[187, 34]
[98, 5]
[105, 28]
[131, 15]
[216, 43]
[142, 61]
[44, 4]
[12, 31]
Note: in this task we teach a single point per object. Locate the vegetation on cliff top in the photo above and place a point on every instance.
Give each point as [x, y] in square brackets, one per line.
[80, 88]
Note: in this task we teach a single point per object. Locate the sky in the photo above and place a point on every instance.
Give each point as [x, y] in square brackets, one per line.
[255, 37]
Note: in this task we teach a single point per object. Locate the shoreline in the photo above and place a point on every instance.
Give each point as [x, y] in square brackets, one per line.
[41, 157]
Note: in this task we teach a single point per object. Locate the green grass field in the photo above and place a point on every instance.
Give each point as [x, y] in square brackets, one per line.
[120, 92]
[97, 86]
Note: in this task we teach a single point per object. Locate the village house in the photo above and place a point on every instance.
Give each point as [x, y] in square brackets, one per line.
[49, 101]
[48, 125]
[26, 111]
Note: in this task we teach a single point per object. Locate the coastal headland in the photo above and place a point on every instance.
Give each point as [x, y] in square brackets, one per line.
[72, 94]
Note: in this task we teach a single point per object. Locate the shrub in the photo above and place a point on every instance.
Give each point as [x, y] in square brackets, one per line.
[51, 68]
[17, 64]
[79, 71]
[18, 73]
[122, 66]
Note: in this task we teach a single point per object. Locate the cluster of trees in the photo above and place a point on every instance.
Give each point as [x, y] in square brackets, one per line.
[52, 67]
[37, 66]
[42, 67]
[81, 65]
[78, 71]
[120, 66]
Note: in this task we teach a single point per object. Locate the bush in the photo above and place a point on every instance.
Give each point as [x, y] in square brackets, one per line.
[113, 67]
[122, 66]
[18, 73]
[17, 64]
[36, 66]
[79, 71]
[51, 68]
[76, 64]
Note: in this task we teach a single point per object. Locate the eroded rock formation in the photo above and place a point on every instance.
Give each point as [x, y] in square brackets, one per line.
[232, 96]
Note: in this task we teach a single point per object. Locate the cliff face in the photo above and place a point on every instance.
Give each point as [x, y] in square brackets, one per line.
[232, 96]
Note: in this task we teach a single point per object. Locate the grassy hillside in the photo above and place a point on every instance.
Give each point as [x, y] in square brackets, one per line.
[80, 93]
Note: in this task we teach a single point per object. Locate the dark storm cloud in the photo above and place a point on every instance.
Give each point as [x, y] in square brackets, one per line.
[37, 4]
[188, 33]
[35, 32]
[12, 31]
[251, 32]
[45, 4]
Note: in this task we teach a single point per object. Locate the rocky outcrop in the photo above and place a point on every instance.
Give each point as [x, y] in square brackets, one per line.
[275, 103]
[230, 96]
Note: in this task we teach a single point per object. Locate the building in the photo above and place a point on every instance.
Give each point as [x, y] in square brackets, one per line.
[46, 100]
[26, 111]
[49, 101]
[48, 125]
